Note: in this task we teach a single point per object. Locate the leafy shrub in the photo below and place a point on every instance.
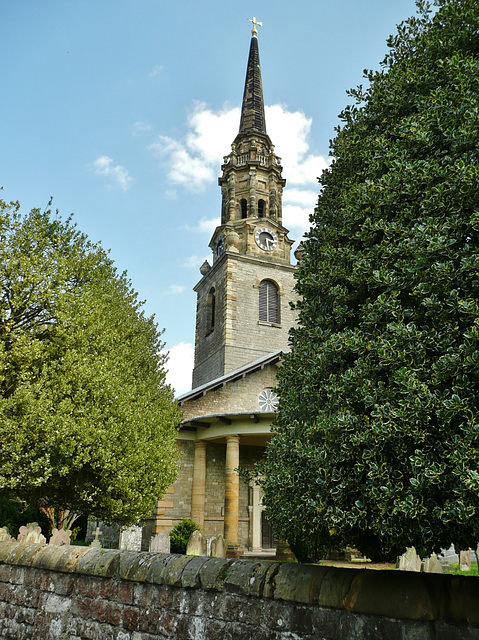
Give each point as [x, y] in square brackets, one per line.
[180, 535]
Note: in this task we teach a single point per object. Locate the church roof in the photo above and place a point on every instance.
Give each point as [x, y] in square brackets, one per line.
[252, 110]
[251, 367]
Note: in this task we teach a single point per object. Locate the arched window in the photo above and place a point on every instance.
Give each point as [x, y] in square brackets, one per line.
[244, 208]
[210, 310]
[261, 208]
[268, 302]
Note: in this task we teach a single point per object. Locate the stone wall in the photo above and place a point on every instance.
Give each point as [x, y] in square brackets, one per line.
[240, 396]
[238, 337]
[78, 593]
[179, 495]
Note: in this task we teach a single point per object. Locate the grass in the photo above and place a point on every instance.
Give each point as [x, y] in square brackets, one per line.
[456, 570]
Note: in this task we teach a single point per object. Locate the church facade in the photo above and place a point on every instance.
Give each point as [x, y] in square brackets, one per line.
[243, 317]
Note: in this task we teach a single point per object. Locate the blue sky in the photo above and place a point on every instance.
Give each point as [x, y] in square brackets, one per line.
[122, 111]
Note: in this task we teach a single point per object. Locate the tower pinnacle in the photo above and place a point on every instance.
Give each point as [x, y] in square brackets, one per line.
[252, 110]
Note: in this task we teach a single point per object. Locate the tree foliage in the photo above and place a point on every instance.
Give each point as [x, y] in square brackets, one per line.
[87, 422]
[180, 535]
[377, 438]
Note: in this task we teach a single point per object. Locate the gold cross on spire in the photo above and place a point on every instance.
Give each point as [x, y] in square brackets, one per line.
[255, 22]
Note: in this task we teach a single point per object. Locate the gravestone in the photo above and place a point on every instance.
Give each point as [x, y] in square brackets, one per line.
[196, 545]
[4, 535]
[96, 544]
[160, 543]
[450, 555]
[218, 547]
[31, 533]
[130, 538]
[465, 560]
[410, 561]
[432, 564]
[59, 537]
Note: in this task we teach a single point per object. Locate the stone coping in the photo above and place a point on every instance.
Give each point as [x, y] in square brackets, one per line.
[395, 594]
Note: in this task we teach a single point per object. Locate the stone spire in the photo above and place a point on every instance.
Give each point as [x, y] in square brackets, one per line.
[252, 110]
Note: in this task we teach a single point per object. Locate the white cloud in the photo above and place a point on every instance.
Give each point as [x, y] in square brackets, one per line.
[296, 219]
[289, 131]
[205, 225]
[184, 168]
[298, 204]
[156, 71]
[195, 159]
[174, 289]
[104, 166]
[304, 197]
[179, 366]
[195, 262]
[140, 127]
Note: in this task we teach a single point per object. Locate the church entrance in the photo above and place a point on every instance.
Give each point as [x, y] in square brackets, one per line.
[267, 534]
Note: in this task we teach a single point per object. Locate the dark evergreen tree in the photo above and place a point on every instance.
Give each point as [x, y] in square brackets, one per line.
[377, 438]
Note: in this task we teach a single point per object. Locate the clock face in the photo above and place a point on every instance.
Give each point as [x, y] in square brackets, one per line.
[268, 401]
[220, 246]
[266, 239]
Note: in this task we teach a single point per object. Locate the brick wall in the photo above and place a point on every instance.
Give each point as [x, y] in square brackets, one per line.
[76, 593]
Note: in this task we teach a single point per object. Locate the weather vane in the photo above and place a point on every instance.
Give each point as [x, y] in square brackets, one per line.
[255, 22]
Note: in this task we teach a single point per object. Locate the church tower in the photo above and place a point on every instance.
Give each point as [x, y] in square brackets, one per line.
[243, 310]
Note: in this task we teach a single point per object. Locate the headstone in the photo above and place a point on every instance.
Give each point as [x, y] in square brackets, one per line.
[465, 560]
[218, 547]
[160, 543]
[31, 533]
[432, 564]
[450, 555]
[4, 535]
[96, 544]
[196, 545]
[130, 538]
[59, 537]
[410, 561]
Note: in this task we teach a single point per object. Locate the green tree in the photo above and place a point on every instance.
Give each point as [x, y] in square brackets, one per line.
[377, 438]
[180, 535]
[87, 422]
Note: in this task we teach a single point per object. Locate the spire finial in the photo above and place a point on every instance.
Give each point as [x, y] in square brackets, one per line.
[254, 31]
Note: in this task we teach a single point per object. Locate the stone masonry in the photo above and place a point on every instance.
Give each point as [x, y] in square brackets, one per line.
[55, 593]
[238, 337]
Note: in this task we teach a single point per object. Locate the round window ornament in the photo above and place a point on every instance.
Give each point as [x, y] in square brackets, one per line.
[268, 401]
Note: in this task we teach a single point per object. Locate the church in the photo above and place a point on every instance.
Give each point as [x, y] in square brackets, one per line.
[243, 317]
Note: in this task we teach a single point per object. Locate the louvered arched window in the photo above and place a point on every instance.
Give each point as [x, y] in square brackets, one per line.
[268, 302]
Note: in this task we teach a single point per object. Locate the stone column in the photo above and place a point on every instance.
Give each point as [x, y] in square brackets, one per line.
[199, 484]
[256, 519]
[232, 497]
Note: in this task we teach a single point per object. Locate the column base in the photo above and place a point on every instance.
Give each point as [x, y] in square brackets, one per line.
[234, 550]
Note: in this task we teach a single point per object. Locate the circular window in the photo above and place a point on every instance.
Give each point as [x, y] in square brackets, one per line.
[268, 401]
